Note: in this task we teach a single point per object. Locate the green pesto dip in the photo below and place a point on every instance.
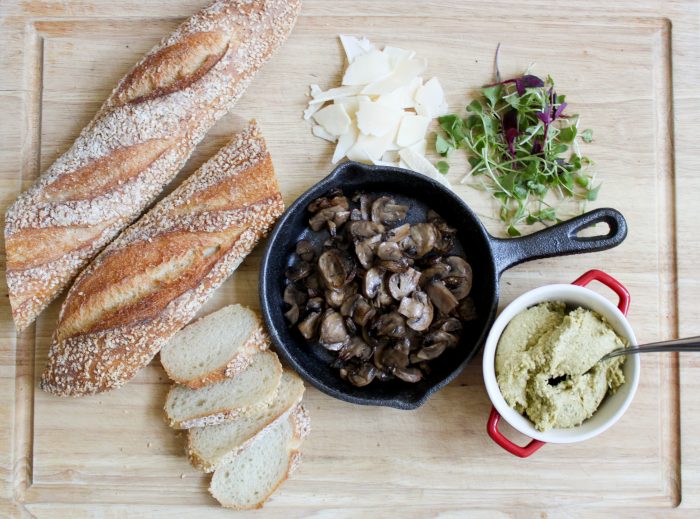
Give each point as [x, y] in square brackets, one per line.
[547, 364]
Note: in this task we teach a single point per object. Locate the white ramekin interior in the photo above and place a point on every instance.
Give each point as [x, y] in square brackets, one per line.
[612, 407]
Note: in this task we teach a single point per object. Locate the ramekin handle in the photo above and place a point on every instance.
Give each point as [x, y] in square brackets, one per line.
[613, 284]
[505, 443]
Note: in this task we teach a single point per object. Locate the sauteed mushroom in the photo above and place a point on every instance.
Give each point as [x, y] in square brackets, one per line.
[386, 295]
[386, 210]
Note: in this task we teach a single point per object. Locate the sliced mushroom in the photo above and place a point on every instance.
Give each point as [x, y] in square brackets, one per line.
[383, 296]
[459, 280]
[373, 281]
[402, 284]
[418, 311]
[398, 234]
[355, 215]
[332, 216]
[386, 210]
[336, 268]
[355, 348]
[333, 331]
[440, 337]
[335, 298]
[429, 352]
[294, 296]
[309, 325]
[292, 315]
[389, 251]
[334, 198]
[394, 358]
[305, 250]
[411, 375]
[362, 376]
[313, 285]
[466, 310]
[391, 324]
[441, 296]
[315, 304]
[400, 265]
[298, 271]
[449, 325]
[424, 236]
[365, 250]
[365, 206]
[436, 271]
[365, 229]
[363, 312]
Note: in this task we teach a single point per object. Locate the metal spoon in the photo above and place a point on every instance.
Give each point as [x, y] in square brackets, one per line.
[687, 344]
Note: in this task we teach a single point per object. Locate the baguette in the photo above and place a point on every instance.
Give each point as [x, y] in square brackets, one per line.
[209, 446]
[136, 143]
[217, 346]
[252, 390]
[247, 479]
[150, 282]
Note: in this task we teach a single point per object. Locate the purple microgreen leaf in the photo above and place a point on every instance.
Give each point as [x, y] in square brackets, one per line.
[545, 117]
[527, 81]
[559, 110]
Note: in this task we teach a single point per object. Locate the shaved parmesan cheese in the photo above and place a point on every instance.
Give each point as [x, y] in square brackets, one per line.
[367, 68]
[372, 146]
[430, 99]
[404, 73]
[396, 55]
[319, 131]
[345, 142]
[334, 119]
[376, 119]
[420, 164]
[311, 110]
[419, 147]
[382, 112]
[354, 46]
[412, 129]
[336, 93]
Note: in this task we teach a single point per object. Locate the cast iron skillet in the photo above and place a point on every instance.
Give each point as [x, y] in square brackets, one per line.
[488, 256]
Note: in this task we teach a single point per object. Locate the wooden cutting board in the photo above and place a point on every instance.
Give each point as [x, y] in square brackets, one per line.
[630, 68]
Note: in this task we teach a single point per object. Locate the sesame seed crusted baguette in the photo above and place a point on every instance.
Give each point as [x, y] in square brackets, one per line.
[150, 281]
[137, 142]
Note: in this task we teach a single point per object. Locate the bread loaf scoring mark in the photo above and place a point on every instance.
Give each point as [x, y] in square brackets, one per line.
[123, 291]
[32, 247]
[173, 68]
[106, 173]
[251, 185]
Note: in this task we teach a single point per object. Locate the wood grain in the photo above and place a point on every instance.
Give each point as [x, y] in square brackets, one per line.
[630, 68]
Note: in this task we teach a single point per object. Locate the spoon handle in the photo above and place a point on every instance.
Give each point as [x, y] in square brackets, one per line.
[687, 344]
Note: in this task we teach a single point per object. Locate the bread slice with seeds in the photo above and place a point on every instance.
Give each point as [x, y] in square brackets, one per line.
[253, 388]
[209, 446]
[248, 478]
[216, 346]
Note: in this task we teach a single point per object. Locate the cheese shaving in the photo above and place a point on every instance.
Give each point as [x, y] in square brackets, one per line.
[383, 109]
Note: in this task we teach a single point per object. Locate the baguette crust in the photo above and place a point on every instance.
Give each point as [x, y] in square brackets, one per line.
[258, 341]
[138, 141]
[151, 281]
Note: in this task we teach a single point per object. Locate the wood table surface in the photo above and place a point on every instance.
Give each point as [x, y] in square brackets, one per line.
[630, 68]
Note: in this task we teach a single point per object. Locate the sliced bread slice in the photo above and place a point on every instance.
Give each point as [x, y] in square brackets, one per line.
[216, 346]
[209, 446]
[246, 480]
[254, 387]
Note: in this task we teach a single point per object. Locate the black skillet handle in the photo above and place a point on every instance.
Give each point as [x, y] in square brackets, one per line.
[560, 239]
